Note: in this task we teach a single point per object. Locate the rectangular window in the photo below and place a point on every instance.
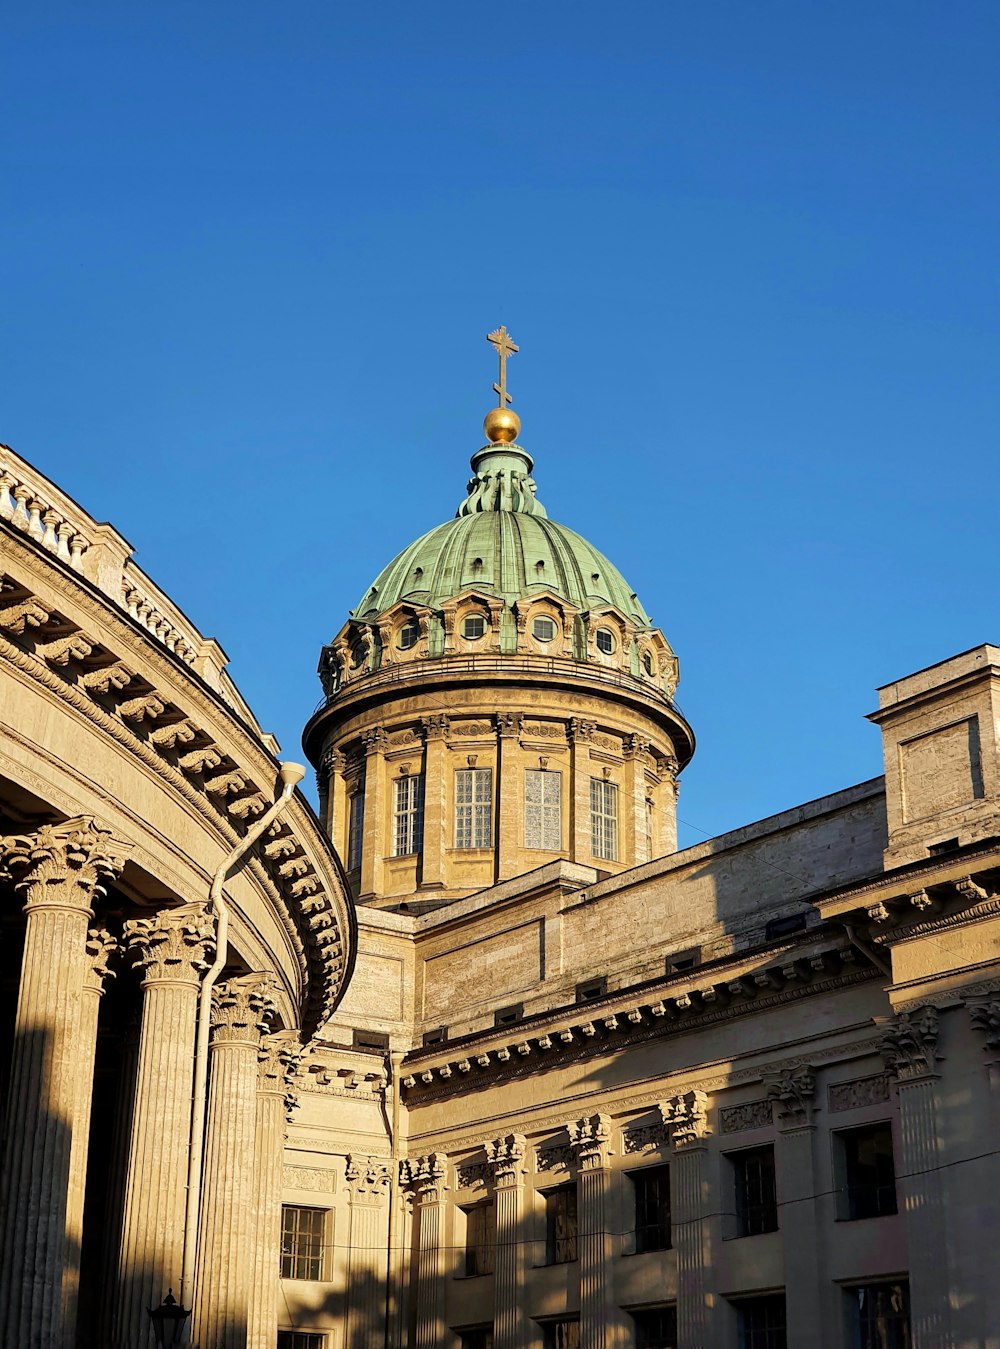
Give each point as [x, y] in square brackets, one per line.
[867, 1172]
[562, 1334]
[303, 1237]
[756, 1201]
[480, 1226]
[761, 1322]
[543, 810]
[560, 1225]
[474, 808]
[880, 1316]
[656, 1328]
[407, 815]
[604, 819]
[300, 1339]
[356, 830]
[652, 1208]
[480, 1337]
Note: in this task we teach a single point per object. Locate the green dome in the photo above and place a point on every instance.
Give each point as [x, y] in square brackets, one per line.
[505, 553]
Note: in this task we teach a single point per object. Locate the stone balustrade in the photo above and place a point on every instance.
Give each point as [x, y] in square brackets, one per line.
[41, 511]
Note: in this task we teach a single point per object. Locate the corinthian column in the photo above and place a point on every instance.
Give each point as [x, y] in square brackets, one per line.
[909, 1048]
[793, 1090]
[276, 1061]
[590, 1140]
[368, 1182]
[505, 1158]
[171, 949]
[59, 870]
[426, 1176]
[686, 1117]
[241, 1010]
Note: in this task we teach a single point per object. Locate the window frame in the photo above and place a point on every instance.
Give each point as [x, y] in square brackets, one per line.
[605, 632]
[857, 1200]
[550, 828]
[293, 1259]
[408, 816]
[753, 1218]
[642, 1334]
[542, 619]
[604, 819]
[562, 1249]
[474, 618]
[479, 1255]
[409, 628]
[550, 1332]
[855, 1312]
[653, 1234]
[761, 1337]
[356, 828]
[290, 1338]
[473, 817]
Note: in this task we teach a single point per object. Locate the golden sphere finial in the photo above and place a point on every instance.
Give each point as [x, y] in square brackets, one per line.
[501, 425]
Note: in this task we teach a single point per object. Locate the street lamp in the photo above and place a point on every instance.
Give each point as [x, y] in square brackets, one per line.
[168, 1321]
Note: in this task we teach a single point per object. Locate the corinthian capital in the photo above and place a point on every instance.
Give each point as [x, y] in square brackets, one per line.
[505, 1157]
[242, 1009]
[794, 1089]
[173, 944]
[590, 1139]
[63, 865]
[278, 1060]
[101, 946]
[367, 1177]
[425, 1175]
[909, 1044]
[686, 1116]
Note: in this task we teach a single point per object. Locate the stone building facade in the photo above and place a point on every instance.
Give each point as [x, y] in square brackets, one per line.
[521, 1074]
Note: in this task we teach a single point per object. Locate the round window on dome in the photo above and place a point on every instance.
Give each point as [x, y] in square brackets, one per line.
[605, 640]
[408, 635]
[647, 663]
[544, 629]
[474, 627]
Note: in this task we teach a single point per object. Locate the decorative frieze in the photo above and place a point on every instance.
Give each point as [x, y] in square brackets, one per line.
[734, 1119]
[908, 1043]
[471, 1174]
[858, 1093]
[552, 1156]
[644, 1137]
[794, 1089]
[315, 1179]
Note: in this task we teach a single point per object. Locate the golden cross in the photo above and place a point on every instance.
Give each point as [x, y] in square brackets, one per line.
[500, 338]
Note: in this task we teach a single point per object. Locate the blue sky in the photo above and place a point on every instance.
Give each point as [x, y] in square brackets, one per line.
[749, 251]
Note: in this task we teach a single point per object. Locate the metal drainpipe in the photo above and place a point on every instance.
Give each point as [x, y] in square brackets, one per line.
[291, 774]
[396, 1057]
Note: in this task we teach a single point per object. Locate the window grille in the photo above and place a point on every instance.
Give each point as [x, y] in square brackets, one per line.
[543, 810]
[302, 1241]
[562, 1334]
[544, 629]
[474, 808]
[407, 815]
[868, 1172]
[300, 1339]
[604, 819]
[356, 830]
[761, 1322]
[881, 1315]
[605, 641]
[656, 1328]
[560, 1225]
[652, 1208]
[408, 635]
[479, 1243]
[474, 627]
[756, 1201]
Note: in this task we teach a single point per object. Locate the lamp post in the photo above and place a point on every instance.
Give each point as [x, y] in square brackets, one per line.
[168, 1321]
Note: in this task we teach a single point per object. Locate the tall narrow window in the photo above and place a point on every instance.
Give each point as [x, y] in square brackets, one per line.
[303, 1233]
[867, 1173]
[604, 819]
[880, 1313]
[756, 1202]
[543, 810]
[474, 808]
[656, 1328]
[479, 1242]
[562, 1334]
[356, 829]
[407, 815]
[761, 1322]
[652, 1208]
[560, 1225]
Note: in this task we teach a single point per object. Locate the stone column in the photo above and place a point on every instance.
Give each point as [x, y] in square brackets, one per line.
[505, 1158]
[580, 734]
[60, 870]
[437, 816]
[171, 949]
[368, 1183]
[100, 947]
[426, 1175]
[376, 844]
[241, 1009]
[508, 794]
[638, 844]
[686, 1118]
[590, 1140]
[909, 1048]
[276, 1062]
[793, 1090]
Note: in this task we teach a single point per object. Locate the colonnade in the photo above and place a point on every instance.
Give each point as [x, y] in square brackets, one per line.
[61, 870]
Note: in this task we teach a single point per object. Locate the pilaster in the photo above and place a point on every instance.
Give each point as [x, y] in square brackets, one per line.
[909, 1047]
[590, 1140]
[686, 1119]
[426, 1177]
[580, 733]
[376, 813]
[241, 1011]
[368, 1182]
[794, 1091]
[60, 870]
[509, 796]
[277, 1059]
[638, 843]
[505, 1161]
[436, 789]
[172, 950]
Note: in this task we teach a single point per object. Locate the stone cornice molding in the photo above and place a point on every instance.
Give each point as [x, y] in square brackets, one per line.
[175, 944]
[590, 1140]
[794, 1090]
[425, 1177]
[686, 1117]
[908, 1044]
[63, 865]
[242, 1009]
[368, 1178]
[317, 915]
[505, 1159]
